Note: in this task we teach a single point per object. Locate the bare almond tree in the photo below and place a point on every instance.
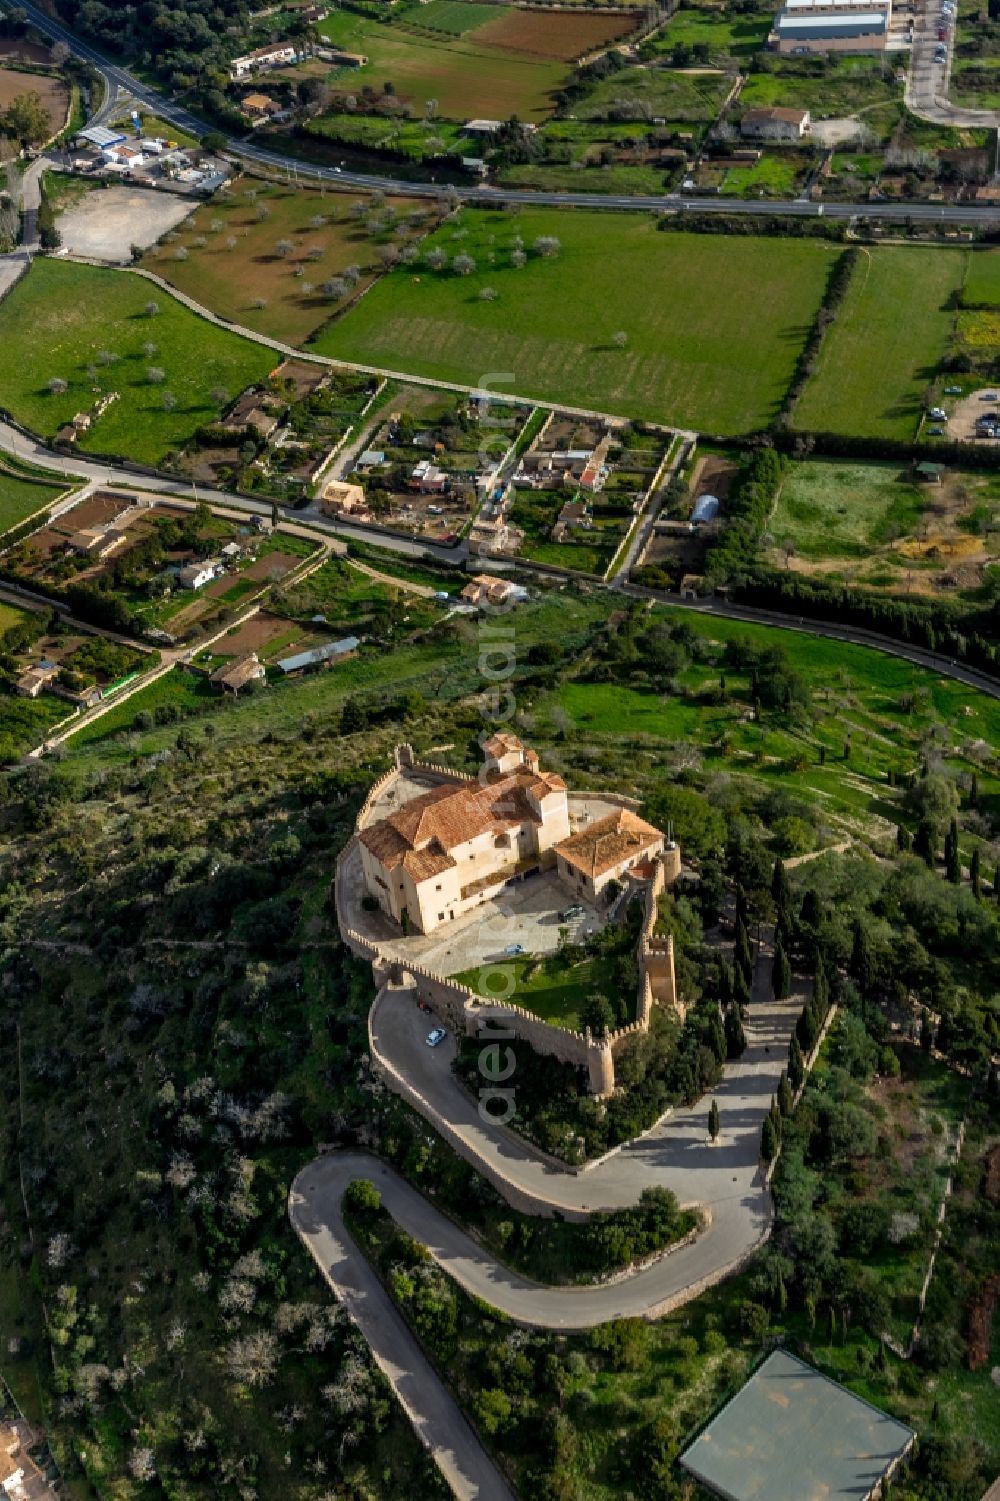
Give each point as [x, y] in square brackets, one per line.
[252, 1359]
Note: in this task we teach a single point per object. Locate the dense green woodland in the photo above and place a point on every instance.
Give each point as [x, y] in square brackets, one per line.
[179, 1026]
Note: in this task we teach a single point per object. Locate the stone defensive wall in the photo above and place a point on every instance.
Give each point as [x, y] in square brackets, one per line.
[487, 1164]
[405, 761]
[465, 1012]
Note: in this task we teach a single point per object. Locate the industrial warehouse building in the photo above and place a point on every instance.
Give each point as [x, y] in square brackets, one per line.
[848, 28]
[792, 1433]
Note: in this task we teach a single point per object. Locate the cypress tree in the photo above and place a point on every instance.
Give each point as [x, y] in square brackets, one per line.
[725, 984]
[741, 990]
[779, 884]
[713, 1121]
[805, 1029]
[781, 974]
[862, 967]
[784, 1095]
[775, 1115]
[943, 1039]
[952, 857]
[736, 1040]
[923, 843]
[975, 873]
[353, 717]
[768, 1140]
[741, 951]
[784, 927]
[821, 990]
[811, 912]
[742, 906]
[904, 840]
[717, 1038]
[974, 792]
[796, 1063]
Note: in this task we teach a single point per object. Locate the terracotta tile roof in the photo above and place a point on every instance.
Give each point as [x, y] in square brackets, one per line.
[544, 782]
[497, 744]
[237, 674]
[421, 834]
[620, 836]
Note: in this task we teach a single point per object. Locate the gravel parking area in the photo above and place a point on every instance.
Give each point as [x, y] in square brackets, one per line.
[961, 425]
[106, 223]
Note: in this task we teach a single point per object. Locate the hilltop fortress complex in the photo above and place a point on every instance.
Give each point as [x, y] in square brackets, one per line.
[435, 847]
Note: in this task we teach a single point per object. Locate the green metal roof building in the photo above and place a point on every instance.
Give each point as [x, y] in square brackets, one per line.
[792, 1434]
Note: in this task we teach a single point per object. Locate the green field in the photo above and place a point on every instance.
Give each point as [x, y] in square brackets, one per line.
[724, 33]
[61, 318]
[179, 691]
[454, 16]
[982, 280]
[24, 722]
[698, 352]
[684, 98]
[842, 87]
[830, 510]
[775, 176]
[20, 498]
[465, 78]
[886, 345]
[885, 706]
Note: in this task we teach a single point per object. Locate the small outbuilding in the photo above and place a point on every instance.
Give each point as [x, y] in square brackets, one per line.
[774, 124]
[239, 674]
[330, 651]
[196, 575]
[706, 508]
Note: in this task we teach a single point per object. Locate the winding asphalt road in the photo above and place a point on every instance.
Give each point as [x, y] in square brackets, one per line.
[724, 1180]
[122, 84]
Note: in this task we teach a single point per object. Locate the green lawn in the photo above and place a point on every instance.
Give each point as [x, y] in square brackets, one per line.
[698, 351]
[886, 345]
[982, 280]
[20, 498]
[775, 176]
[831, 510]
[552, 988]
[62, 317]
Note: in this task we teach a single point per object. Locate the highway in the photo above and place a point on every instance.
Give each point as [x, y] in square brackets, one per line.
[121, 85]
